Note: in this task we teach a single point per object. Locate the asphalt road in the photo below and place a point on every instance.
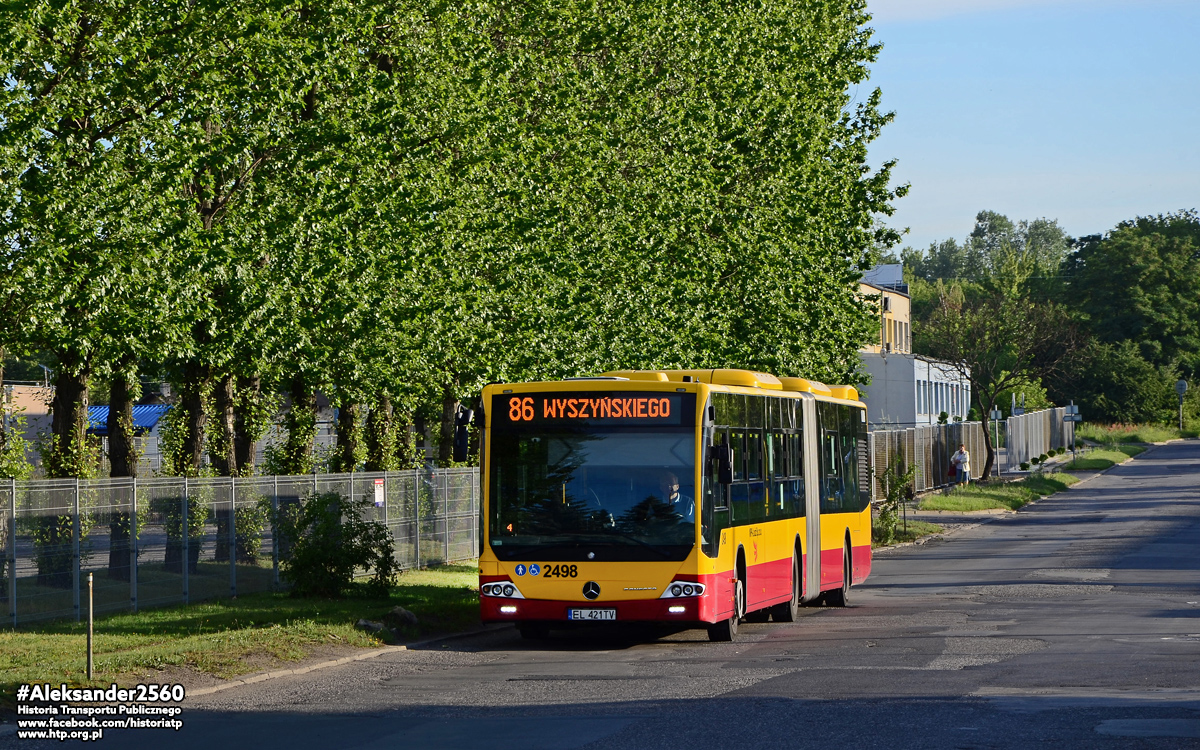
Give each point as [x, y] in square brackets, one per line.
[1075, 623]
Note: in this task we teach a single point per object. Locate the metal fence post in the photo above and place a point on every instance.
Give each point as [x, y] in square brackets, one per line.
[12, 550]
[446, 515]
[274, 531]
[186, 530]
[417, 519]
[133, 550]
[75, 527]
[233, 536]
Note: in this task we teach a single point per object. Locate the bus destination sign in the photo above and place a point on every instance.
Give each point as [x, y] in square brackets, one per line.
[593, 408]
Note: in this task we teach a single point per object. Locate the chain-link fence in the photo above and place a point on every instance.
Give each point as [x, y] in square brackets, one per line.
[167, 540]
[929, 448]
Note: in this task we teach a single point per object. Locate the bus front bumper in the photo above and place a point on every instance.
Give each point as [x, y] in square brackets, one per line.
[681, 610]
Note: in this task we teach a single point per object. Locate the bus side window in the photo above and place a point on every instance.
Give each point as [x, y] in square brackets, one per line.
[738, 441]
[754, 459]
[849, 457]
[831, 490]
[739, 504]
[779, 456]
[864, 468]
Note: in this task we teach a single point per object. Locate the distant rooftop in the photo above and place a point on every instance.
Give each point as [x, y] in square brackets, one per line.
[887, 276]
[145, 418]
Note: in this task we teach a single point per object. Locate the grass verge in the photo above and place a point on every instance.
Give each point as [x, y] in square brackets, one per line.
[1099, 459]
[1010, 495]
[909, 532]
[226, 638]
[1129, 433]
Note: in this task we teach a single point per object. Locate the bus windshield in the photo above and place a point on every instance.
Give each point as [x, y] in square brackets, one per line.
[592, 493]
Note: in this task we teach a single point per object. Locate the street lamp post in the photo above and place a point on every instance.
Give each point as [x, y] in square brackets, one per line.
[1181, 388]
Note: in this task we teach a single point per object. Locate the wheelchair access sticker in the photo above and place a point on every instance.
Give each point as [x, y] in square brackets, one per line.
[520, 570]
[535, 569]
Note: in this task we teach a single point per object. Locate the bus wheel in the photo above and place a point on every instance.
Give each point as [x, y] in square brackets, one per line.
[790, 611]
[534, 631]
[727, 629]
[841, 597]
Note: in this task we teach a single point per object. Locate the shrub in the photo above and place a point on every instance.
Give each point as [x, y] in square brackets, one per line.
[1024, 466]
[1042, 458]
[897, 486]
[328, 539]
[1051, 453]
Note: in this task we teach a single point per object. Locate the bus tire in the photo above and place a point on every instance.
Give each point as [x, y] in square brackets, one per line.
[727, 629]
[790, 611]
[841, 597]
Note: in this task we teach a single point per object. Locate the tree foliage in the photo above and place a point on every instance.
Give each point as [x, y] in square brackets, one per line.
[394, 203]
[997, 343]
[1138, 283]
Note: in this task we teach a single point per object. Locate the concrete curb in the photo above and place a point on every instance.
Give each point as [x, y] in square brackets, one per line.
[264, 676]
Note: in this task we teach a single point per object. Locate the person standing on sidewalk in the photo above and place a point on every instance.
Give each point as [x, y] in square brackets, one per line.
[962, 463]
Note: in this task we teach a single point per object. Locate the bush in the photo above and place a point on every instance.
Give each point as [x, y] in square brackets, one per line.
[1051, 453]
[328, 539]
[1024, 466]
[1042, 458]
[1035, 460]
[897, 486]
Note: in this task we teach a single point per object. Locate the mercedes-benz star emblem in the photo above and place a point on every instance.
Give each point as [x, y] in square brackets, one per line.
[591, 589]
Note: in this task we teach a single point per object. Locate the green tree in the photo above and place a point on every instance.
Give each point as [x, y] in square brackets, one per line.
[1138, 283]
[998, 343]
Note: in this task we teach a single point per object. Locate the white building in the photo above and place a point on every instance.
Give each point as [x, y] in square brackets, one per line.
[906, 390]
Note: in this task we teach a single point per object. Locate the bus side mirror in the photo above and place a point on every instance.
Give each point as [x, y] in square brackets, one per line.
[462, 440]
[724, 457]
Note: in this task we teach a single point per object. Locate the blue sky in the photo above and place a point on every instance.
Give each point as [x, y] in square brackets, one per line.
[1084, 112]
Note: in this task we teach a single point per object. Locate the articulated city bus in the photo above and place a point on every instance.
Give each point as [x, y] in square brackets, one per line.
[696, 497]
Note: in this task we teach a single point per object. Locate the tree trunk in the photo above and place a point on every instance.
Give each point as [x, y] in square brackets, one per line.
[301, 424]
[406, 440]
[446, 432]
[990, 461]
[122, 460]
[194, 389]
[349, 437]
[246, 429]
[381, 437]
[223, 456]
[420, 442]
[122, 457]
[69, 456]
[3, 432]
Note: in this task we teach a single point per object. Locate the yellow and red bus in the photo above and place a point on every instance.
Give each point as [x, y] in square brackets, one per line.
[696, 497]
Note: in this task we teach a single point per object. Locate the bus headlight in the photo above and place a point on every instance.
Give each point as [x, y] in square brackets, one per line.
[683, 589]
[501, 589]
